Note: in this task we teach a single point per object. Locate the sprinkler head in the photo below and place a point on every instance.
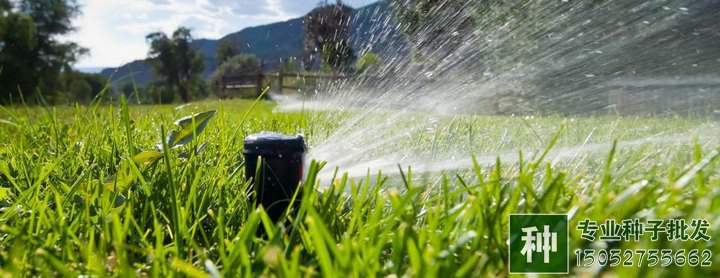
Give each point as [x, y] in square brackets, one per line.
[277, 179]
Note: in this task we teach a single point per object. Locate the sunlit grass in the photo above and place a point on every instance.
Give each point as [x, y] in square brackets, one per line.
[59, 218]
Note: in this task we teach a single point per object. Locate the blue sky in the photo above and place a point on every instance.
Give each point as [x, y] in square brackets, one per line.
[114, 30]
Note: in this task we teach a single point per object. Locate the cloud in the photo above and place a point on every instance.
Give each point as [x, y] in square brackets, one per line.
[241, 8]
[114, 30]
[161, 2]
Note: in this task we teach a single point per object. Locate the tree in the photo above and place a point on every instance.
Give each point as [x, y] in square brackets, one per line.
[81, 87]
[157, 92]
[367, 61]
[175, 61]
[435, 28]
[561, 56]
[225, 51]
[31, 56]
[289, 64]
[327, 31]
[243, 64]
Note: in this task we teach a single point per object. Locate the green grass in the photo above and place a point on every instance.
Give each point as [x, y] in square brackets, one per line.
[191, 214]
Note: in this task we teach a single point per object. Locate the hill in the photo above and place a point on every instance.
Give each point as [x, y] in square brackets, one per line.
[280, 40]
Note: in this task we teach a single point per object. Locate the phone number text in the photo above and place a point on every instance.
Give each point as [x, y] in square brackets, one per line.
[643, 257]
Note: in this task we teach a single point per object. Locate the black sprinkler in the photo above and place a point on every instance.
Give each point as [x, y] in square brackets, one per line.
[276, 181]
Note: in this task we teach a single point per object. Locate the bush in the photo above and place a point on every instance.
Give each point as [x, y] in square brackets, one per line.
[80, 87]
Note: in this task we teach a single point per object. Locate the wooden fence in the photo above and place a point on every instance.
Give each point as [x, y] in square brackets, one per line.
[659, 97]
[636, 97]
[248, 85]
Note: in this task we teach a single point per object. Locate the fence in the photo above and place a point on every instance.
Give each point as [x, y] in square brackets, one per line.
[632, 97]
[248, 85]
[672, 97]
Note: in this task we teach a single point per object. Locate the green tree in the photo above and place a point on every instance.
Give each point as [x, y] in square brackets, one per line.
[289, 64]
[128, 89]
[239, 65]
[31, 56]
[225, 51]
[81, 87]
[175, 61]
[435, 27]
[367, 61]
[159, 93]
[327, 31]
[80, 90]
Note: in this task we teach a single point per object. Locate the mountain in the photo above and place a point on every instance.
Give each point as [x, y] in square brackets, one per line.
[89, 69]
[372, 29]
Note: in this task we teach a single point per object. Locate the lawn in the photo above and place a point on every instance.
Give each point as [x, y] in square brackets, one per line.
[77, 198]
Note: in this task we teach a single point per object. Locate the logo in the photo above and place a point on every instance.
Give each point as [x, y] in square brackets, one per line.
[539, 243]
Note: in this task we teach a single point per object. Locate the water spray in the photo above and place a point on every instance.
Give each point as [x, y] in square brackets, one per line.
[276, 180]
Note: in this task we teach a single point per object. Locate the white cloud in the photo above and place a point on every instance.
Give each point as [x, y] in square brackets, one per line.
[114, 30]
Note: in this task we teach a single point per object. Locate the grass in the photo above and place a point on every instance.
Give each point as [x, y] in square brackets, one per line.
[190, 213]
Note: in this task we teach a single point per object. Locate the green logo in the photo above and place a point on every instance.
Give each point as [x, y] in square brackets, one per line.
[538, 243]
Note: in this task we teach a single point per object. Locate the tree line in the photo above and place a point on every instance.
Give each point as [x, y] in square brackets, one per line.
[560, 56]
[34, 64]
[326, 47]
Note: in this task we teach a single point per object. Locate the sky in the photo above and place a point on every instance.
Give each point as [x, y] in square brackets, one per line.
[114, 30]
